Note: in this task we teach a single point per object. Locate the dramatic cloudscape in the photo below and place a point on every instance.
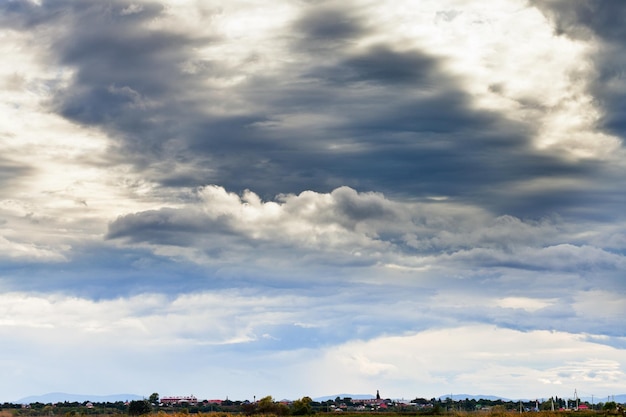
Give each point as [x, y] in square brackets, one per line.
[297, 197]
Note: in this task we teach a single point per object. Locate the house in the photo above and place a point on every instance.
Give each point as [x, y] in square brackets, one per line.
[179, 400]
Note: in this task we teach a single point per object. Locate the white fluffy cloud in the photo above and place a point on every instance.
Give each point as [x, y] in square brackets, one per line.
[351, 227]
[475, 359]
[147, 333]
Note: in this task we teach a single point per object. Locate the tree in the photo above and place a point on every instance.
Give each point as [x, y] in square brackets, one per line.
[154, 398]
[610, 406]
[549, 405]
[267, 405]
[139, 407]
[302, 406]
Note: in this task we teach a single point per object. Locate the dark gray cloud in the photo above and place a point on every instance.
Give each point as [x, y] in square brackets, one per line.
[583, 18]
[99, 271]
[171, 226]
[328, 24]
[603, 21]
[387, 67]
[378, 119]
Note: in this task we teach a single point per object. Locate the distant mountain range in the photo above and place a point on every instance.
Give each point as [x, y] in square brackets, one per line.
[353, 396]
[455, 397]
[620, 399]
[59, 397]
[461, 397]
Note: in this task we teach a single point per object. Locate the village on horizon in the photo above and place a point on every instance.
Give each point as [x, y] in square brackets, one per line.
[306, 405]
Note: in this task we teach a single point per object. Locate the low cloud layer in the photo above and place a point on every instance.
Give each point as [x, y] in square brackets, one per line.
[366, 229]
[239, 328]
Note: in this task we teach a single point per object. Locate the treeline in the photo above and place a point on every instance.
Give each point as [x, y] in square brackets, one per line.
[66, 408]
[553, 403]
[306, 406]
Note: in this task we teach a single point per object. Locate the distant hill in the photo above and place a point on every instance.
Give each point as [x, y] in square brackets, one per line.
[620, 399]
[59, 397]
[460, 397]
[455, 397]
[353, 396]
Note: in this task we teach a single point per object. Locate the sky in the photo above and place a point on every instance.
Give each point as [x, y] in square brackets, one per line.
[310, 197]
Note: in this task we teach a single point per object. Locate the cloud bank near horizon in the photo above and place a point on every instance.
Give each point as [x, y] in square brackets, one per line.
[352, 188]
